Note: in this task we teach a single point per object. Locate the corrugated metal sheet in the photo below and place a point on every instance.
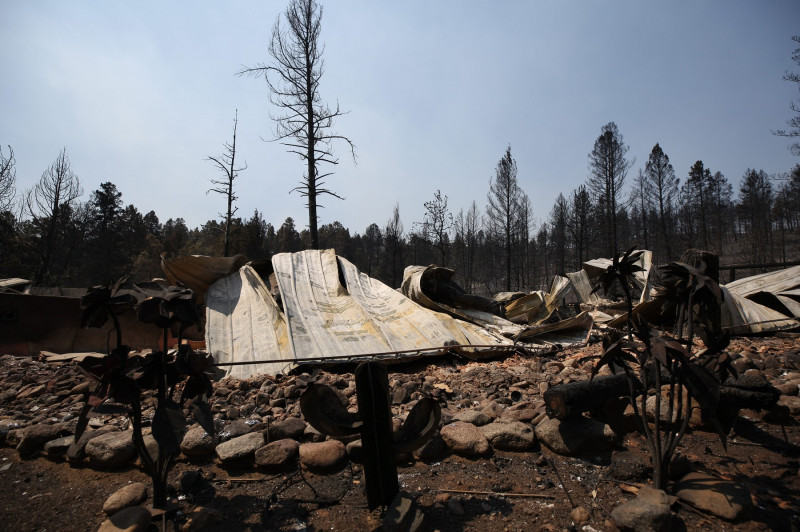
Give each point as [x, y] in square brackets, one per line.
[330, 310]
[773, 282]
[741, 316]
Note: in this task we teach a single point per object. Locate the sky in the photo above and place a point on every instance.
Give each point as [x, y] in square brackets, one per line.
[142, 93]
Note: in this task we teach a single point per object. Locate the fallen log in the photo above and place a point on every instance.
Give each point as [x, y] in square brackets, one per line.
[572, 399]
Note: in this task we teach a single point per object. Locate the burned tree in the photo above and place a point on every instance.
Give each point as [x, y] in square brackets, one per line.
[437, 225]
[661, 188]
[47, 204]
[7, 178]
[502, 210]
[608, 167]
[303, 122]
[794, 122]
[227, 164]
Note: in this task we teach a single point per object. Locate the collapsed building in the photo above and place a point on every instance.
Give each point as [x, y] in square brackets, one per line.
[314, 306]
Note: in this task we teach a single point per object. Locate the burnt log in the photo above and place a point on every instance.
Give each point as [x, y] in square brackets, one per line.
[573, 399]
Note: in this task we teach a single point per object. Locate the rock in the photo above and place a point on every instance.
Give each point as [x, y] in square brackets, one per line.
[111, 450]
[472, 416]
[77, 450]
[664, 407]
[35, 436]
[579, 515]
[791, 402]
[355, 451]
[292, 427]
[133, 519]
[723, 498]
[240, 448]
[575, 436]
[312, 434]
[200, 518]
[789, 388]
[509, 435]
[522, 414]
[434, 449]
[322, 456]
[234, 429]
[197, 443]
[627, 466]
[131, 495]
[59, 446]
[277, 454]
[493, 409]
[465, 439]
[403, 514]
[648, 512]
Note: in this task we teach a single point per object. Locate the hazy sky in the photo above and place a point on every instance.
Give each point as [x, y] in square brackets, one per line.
[141, 93]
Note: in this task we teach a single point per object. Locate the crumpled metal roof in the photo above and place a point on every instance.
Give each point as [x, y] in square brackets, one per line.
[331, 311]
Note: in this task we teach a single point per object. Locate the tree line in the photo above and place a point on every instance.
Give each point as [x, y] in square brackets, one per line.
[49, 235]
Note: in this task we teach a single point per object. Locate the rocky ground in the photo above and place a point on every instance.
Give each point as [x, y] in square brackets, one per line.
[497, 463]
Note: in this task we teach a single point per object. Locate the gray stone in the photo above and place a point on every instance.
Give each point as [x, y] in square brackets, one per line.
[403, 514]
[35, 436]
[292, 427]
[77, 450]
[130, 495]
[509, 435]
[648, 512]
[240, 448]
[133, 519]
[197, 443]
[493, 409]
[234, 429]
[322, 456]
[277, 454]
[472, 416]
[465, 439]
[575, 436]
[723, 498]
[111, 450]
[59, 446]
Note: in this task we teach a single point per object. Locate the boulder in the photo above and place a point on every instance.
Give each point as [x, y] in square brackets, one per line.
[131, 495]
[278, 454]
[240, 448]
[59, 446]
[465, 439]
[198, 444]
[575, 436]
[648, 512]
[322, 456]
[292, 427]
[507, 435]
[112, 450]
[723, 498]
[132, 519]
[77, 450]
[35, 436]
[472, 416]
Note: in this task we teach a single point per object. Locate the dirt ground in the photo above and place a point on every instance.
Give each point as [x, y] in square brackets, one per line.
[507, 491]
